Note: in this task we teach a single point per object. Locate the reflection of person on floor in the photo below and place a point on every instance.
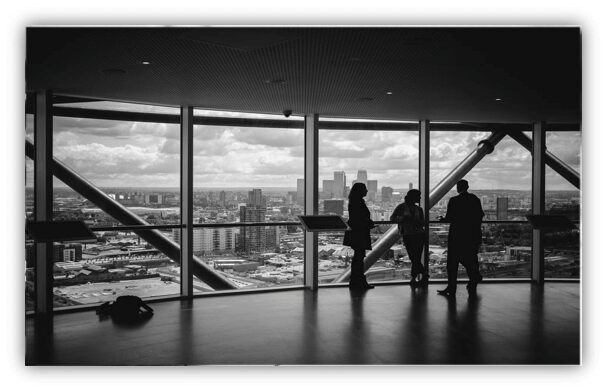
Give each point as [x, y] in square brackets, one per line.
[465, 214]
[358, 237]
[410, 219]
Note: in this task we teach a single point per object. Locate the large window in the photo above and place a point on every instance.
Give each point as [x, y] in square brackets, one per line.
[502, 182]
[562, 248]
[387, 163]
[247, 174]
[136, 165]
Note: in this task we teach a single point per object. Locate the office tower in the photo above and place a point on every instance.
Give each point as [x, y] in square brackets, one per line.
[410, 185]
[339, 184]
[386, 194]
[222, 198]
[272, 240]
[256, 198]
[502, 208]
[372, 189]
[361, 176]
[253, 239]
[327, 188]
[334, 207]
[300, 191]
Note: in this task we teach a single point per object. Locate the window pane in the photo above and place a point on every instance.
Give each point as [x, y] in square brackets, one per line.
[387, 162]
[562, 249]
[249, 175]
[134, 163]
[502, 182]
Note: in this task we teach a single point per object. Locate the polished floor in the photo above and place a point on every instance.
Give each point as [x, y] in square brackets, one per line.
[508, 323]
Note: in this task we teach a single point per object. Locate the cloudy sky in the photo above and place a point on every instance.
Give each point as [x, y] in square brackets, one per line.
[136, 154]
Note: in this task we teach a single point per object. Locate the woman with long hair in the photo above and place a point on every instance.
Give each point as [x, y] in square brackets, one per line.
[411, 224]
[358, 237]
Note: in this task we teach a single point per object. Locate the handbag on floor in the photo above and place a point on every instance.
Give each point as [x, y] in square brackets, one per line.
[126, 309]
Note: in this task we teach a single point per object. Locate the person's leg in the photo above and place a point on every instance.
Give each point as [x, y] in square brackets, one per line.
[357, 274]
[452, 266]
[415, 246]
[472, 269]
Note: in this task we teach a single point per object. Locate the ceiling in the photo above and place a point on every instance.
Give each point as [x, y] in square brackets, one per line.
[447, 74]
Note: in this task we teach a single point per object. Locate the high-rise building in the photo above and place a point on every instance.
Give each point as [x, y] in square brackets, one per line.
[386, 194]
[300, 191]
[339, 184]
[410, 186]
[253, 239]
[502, 208]
[327, 188]
[334, 207]
[256, 198]
[211, 240]
[361, 176]
[222, 198]
[372, 189]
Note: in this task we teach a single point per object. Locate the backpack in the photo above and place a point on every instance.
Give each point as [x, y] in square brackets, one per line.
[126, 309]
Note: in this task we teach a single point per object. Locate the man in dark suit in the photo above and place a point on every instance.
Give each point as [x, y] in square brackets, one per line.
[465, 214]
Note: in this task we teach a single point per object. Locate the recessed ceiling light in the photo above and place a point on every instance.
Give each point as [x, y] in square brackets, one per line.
[498, 99]
[389, 93]
[145, 63]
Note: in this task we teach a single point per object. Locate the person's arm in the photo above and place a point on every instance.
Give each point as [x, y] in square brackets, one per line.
[420, 220]
[397, 215]
[449, 216]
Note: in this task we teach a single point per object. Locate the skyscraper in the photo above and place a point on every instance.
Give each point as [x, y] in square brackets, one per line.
[386, 194]
[502, 208]
[328, 188]
[361, 176]
[372, 189]
[253, 239]
[410, 185]
[339, 184]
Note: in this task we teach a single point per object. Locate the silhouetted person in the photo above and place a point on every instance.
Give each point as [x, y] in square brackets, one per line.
[411, 223]
[465, 214]
[358, 237]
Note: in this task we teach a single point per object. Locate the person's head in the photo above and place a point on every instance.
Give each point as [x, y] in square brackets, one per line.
[462, 186]
[413, 196]
[358, 191]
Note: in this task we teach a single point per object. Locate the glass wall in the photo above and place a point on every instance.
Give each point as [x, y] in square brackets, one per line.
[137, 164]
[249, 174]
[562, 248]
[502, 181]
[387, 162]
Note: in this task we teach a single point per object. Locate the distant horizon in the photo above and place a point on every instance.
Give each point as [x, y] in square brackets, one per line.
[276, 188]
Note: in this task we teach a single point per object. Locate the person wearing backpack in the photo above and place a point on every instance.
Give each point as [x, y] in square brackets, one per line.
[411, 225]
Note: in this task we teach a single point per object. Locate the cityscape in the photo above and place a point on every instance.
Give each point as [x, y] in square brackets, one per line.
[120, 262]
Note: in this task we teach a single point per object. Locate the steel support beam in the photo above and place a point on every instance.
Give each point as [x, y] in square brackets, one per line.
[187, 219]
[538, 196]
[424, 184]
[391, 236]
[551, 160]
[311, 200]
[43, 198]
[126, 217]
